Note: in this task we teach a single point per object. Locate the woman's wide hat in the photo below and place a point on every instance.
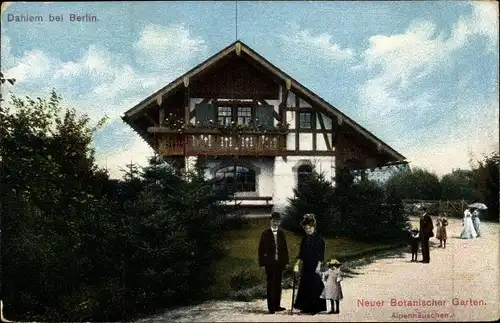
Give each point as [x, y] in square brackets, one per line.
[308, 219]
[334, 262]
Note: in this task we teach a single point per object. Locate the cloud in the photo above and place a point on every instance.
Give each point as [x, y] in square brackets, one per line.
[421, 50]
[402, 60]
[5, 48]
[483, 21]
[321, 44]
[120, 147]
[432, 131]
[32, 66]
[385, 100]
[101, 82]
[167, 47]
[399, 64]
[450, 143]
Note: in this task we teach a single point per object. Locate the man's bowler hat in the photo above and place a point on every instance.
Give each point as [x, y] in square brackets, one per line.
[276, 216]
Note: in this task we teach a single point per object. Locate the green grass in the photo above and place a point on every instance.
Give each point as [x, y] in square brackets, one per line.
[242, 248]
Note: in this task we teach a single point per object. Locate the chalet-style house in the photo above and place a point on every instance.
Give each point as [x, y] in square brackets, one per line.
[260, 131]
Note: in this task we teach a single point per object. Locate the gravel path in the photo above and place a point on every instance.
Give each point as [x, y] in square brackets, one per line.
[466, 271]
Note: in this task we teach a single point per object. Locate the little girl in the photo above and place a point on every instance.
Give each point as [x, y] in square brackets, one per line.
[332, 291]
[441, 234]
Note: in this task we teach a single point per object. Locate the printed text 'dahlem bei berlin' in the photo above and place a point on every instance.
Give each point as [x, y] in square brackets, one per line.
[72, 17]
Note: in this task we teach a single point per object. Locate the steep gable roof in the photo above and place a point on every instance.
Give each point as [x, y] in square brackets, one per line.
[296, 88]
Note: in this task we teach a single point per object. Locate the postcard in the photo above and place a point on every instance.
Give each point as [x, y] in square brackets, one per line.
[250, 161]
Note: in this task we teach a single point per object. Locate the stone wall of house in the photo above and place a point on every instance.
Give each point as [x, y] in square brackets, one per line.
[286, 175]
[275, 177]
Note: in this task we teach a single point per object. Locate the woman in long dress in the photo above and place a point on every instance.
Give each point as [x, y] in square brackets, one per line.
[476, 222]
[311, 254]
[468, 231]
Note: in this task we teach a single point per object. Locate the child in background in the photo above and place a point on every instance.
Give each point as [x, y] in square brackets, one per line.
[333, 290]
[441, 234]
[414, 241]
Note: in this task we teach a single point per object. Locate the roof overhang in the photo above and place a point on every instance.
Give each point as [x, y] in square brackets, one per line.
[281, 76]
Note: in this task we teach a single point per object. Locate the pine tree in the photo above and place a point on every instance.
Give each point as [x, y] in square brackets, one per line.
[317, 196]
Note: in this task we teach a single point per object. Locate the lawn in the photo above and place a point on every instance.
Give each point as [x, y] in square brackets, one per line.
[242, 248]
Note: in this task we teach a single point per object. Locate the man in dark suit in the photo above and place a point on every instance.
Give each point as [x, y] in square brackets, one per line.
[426, 232]
[273, 259]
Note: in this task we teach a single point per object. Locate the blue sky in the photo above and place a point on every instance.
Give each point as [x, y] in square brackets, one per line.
[422, 76]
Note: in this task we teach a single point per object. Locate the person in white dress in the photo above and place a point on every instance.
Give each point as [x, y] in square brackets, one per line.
[476, 222]
[332, 290]
[468, 231]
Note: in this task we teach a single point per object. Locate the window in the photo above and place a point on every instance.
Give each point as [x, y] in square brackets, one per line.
[224, 116]
[304, 174]
[236, 179]
[305, 120]
[244, 115]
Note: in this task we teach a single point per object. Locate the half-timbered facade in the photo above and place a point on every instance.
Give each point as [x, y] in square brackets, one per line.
[260, 131]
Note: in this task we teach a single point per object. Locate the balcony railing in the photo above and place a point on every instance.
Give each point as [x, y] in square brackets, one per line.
[266, 144]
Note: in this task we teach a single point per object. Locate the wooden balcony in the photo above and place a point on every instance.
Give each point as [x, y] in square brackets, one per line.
[218, 144]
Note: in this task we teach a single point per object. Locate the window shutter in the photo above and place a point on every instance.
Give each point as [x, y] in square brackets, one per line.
[265, 114]
[204, 113]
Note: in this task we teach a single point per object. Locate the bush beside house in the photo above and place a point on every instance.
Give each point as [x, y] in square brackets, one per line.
[361, 211]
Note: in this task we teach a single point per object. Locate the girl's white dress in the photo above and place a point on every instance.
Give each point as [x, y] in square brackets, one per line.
[331, 279]
[468, 231]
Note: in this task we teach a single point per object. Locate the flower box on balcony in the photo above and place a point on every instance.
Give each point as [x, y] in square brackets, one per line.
[215, 131]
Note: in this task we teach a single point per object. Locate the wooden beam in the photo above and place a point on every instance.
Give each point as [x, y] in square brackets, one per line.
[282, 106]
[362, 165]
[302, 109]
[161, 115]
[297, 123]
[255, 104]
[153, 121]
[277, 116]
[317, 153]
[318, 131]
[237, 103]
[313, 126]
[186, 103]
[234, 112]
[323, 128]
[336, 127]
[238, 49]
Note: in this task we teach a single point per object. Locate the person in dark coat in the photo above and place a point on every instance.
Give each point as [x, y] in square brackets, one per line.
[426, 232]
[311, 255]
[273, 259]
